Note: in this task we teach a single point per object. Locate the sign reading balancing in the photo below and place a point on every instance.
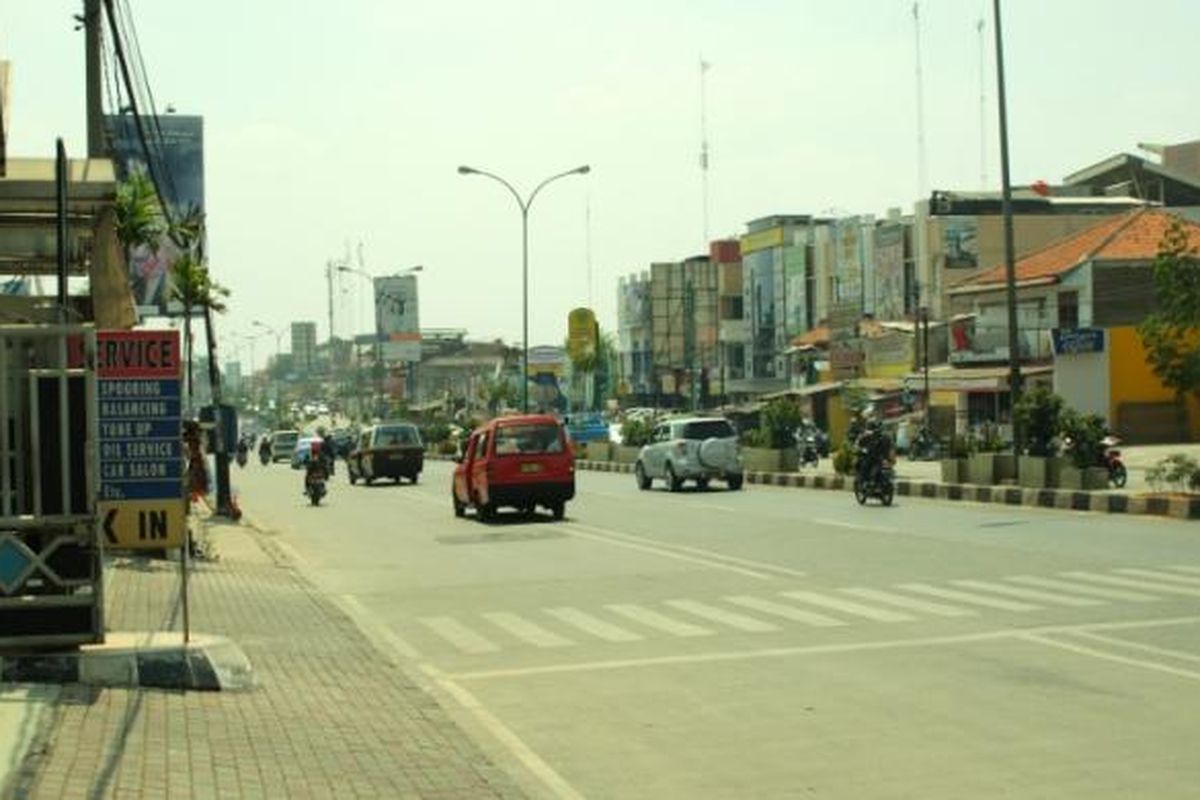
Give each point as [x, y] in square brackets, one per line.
[141, 452]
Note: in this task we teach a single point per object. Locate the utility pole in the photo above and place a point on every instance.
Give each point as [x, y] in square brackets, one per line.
[329, 285]
[95, 111]
[1010, 269]
[704, 67]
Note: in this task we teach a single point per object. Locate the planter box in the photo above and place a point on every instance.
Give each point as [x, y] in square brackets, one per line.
[599, 451]
[1054, 468]
[763, 459]
[1095, 479]
[981, 469]
[625, 454]
[954, 470]
[1032, 472]
[1088, 480]
[1005, 467]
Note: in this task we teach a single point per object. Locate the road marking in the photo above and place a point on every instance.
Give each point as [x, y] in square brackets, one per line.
[364, 618]
[593, 625]
[837, 523]
[1195, 570]
[653, 619]
[968, 597]
[1095, 591]
[699, 551]
[525, 630]
[813, 650]
[1164, 576]
[459, 635]
[714, 614]
[712, 563]
[849, 607]
[1132, 583]
[1149, 648]
[1029, 594]
[1094, 653]
[785, 611]
[911, 603]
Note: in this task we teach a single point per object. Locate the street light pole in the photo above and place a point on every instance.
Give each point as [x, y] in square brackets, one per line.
[524, 205]
[1010, 269]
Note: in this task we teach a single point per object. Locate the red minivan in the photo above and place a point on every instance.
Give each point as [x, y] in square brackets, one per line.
[517, 462]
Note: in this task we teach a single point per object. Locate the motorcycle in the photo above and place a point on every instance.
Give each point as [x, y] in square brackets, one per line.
[922, 446]
[810, 453]
[241, 457]
[1111, 460]
[879, 483]
[264, 456]
[314, 486]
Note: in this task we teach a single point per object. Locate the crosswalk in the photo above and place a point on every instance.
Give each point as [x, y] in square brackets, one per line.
[490, 632]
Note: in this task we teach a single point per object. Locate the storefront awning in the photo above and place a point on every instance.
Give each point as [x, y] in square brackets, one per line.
[973, 379]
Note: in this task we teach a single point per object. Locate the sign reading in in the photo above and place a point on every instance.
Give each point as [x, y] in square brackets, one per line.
[141, 451]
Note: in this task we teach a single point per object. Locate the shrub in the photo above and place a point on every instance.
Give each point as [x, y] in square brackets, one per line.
[637, 432]
[845, 459]
[756, 437]
[960, 446]
[780, 419]
[1177, 471]
[436, 433]
[1084, 432]
[1039, 417]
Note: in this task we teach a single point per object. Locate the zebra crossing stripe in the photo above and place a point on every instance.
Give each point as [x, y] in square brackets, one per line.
[1193, 570]
[968, 597]
[525, 630]
[1029, 594]
[459, 635]
[911, 603]
[661, 622]
[1132, 583]
[785, 611]
[714, 614]
[849, 607]
[1165, 576]
[1094, 591]
[593, 625]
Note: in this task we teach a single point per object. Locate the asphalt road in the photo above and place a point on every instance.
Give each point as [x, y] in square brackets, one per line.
[777, 642]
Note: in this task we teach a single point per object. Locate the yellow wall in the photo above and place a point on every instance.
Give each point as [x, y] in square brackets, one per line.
[839, 418]
[1131, 380]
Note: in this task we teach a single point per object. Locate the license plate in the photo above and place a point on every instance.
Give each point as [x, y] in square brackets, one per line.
[531, 468]
[396, 457]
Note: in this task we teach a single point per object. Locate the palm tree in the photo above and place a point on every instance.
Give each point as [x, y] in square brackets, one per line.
[139, 218]
[193, 287]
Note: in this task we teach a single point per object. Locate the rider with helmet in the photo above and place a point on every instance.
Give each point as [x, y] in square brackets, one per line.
[874, 449]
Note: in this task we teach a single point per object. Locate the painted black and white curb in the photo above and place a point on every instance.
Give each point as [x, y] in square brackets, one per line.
[206, 663]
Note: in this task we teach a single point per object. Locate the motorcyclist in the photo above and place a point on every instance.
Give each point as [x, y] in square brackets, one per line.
[873, 450]
[242, 451]
[328, 449]
[315, 468]
[264, 448]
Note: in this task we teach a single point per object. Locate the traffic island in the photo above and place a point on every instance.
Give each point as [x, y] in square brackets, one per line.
[138, 660]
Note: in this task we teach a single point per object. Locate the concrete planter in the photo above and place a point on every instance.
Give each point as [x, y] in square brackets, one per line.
[599, 451]
[1005, 467]
[981, 469]
[954, 470]
[761, 459]
[1054, 468]
[1032, 473]
[1095, 479]
[1089, 480]
[625, 454]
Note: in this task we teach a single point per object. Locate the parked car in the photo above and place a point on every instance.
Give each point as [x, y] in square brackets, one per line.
[343, 441]
[388, 450]
[519, 462]
[692, 448]
[587, 427]
[283, 444]
[302, 453]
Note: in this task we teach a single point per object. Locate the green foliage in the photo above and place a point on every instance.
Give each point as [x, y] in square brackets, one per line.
[1177, 471]
[1039, 416]
[497, 393]
[780, 419]
[756, 437]
[855, 399]
[960, 446]
[1171, 335]
[139, 219]
[637, 432]
[844, 459]
[1085, 432]
[436, 433]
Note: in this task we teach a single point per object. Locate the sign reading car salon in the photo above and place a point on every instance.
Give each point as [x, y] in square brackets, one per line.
[1076, 341]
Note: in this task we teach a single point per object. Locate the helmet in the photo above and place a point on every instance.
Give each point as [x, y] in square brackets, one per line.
[874, 426]
[321, 431]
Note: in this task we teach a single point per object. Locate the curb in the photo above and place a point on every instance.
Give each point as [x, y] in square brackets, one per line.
[160, 661]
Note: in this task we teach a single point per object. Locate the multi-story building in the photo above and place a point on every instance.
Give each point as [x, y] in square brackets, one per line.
[304, 347]
[683, 328]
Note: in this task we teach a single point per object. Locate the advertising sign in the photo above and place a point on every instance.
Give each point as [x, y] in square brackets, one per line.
[1074, 341]
[581, 334]
[889, 272]
[848, 275]
[178, 144]
[547, 365]
[795, 290]
[960, 242]
[141, 451]
[396, 319]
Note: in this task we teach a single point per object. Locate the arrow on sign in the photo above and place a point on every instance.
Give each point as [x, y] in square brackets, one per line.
[108, 523]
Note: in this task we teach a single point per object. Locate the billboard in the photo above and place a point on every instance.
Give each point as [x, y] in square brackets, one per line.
[889, 272]
[848, 261]
[795, 290]
[544, 372]
[178, 144]
[581, 334]
[960, 242]
[396, 320]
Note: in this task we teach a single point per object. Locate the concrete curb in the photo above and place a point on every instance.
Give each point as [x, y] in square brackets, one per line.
[133, 660]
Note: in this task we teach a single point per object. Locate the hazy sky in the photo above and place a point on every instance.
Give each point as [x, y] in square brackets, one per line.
[333, 124]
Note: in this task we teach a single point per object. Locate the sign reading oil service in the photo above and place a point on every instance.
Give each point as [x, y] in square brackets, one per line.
[141, 450]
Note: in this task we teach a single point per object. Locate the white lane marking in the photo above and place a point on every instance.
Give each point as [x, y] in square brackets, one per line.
[593, 625]
[1187, 580]
[1037, 595]
[653, 619]
[1094, 653]
[1094, 591]
[711, 563]
[785, 611]
[837, 523]
[849, 607]
[968, 597]
[1149, 648]
[459, 635]
[525, 754]
[911, 603]
[714, 614]
[813, 650]
[526, 631]
[1194, 570]
[699, 551]
[1132, 583]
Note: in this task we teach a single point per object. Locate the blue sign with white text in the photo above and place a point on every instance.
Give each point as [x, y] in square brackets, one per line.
[1074, 341]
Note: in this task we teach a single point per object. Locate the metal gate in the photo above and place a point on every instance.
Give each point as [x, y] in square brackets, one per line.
[51, 587]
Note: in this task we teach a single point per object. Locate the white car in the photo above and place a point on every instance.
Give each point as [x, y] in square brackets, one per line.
[691, 448]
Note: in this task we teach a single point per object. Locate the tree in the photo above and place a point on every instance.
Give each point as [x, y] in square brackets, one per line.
[1171, 334]
[193, 287]
[139, 217]
[1039, 416]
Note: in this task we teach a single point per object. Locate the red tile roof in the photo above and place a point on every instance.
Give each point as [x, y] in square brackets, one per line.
[1132, 236]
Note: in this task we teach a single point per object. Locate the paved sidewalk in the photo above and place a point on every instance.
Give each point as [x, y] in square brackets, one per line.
[329, 718]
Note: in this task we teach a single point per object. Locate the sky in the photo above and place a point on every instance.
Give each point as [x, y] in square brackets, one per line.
[334, 131]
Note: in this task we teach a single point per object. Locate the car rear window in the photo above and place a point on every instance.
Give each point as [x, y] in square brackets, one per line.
[527, 440]
[288, 439]
[396, 434]
[708, 429]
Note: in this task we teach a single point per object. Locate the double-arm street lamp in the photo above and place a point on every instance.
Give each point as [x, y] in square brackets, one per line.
[524, 205]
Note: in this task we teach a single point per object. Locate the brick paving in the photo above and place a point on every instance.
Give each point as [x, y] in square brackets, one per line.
[330, 717]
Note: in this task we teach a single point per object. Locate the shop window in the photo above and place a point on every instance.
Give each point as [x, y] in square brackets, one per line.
[1068, 309]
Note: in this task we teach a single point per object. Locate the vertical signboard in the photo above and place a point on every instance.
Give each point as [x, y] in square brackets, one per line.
[795, 290]
[889, 272]
[396, 319]
[960, 242]
[141, 451]
[581, 334]
[848, 262]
